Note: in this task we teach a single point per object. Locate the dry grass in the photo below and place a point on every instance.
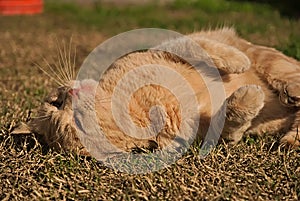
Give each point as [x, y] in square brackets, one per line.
[256, 169]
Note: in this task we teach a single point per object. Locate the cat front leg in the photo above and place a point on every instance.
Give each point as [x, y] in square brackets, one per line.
[242, 106]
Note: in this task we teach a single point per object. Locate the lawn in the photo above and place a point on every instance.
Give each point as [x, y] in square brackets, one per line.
[255, 169]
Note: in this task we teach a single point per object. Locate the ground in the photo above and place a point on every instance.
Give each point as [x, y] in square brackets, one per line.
[255, 169]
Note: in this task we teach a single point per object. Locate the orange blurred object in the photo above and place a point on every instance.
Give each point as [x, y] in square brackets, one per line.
[19, 7]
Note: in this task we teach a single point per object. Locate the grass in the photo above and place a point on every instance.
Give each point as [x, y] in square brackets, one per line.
[182, 16]
[255, 169]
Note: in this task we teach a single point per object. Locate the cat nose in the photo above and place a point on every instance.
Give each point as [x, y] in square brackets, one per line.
[73, 92]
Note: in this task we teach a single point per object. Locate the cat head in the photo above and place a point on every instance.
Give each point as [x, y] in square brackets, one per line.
[55, 118]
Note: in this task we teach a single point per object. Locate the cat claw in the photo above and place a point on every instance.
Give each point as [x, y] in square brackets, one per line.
[291, 139]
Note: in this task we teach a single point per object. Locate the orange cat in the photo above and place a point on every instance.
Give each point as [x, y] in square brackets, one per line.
[261, 88]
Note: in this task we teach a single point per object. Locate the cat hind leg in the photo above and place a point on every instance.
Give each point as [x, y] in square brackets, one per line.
[226, 58]
[292, 138]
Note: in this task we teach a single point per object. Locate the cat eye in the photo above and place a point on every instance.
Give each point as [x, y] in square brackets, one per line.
[56, 103]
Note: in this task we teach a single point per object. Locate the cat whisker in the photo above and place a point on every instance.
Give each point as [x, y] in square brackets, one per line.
[66, 65]
[71, 65]
[63, 63]
[62, 81]
[57, 80]
[42, 117]
[59, 68]
[59, 65]
[74, 63]
[67, 61]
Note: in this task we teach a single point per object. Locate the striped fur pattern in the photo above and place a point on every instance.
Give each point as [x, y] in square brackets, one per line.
[262, 88]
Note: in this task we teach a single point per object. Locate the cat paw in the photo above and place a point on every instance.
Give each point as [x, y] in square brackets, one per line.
[252, 132]
[242, 106]
[291, 139]
[290, 95]
[247, 100]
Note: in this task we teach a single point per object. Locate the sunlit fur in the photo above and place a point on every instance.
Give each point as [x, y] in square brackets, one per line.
[262, 90]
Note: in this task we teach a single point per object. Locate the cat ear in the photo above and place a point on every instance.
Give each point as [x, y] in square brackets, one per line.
[21, 129]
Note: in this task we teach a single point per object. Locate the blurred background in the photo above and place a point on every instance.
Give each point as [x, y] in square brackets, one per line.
[268, 22]
[33, 36]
